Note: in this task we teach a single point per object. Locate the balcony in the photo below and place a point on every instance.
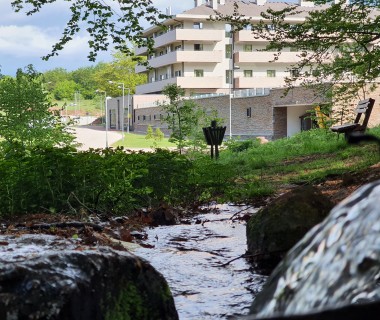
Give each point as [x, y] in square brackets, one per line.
[200, 35]
[265, 57]
[247, 36]
[259, 82]
[183, 56]
[184, 82]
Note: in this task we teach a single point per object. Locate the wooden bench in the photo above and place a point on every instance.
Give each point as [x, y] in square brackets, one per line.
[364, 107]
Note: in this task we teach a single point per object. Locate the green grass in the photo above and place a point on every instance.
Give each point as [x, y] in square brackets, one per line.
[308, 157]
[132, 140]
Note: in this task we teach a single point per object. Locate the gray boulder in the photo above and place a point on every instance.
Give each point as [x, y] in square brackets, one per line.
[334, 271]
[47, 277]
[276, 228]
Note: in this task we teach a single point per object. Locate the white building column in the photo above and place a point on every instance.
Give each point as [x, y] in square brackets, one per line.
[198, 3]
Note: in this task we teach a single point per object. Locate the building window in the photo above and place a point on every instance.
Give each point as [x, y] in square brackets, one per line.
[198, 47]
[228, 30]
[294, 73]
[177, 73]
[271, 73]
[229, 51]
[144, 118]
[177, 48]
[248, 73]
[229, 76]
[138, 118]
[198, 73]
[249, 112]
[247, 48]
[197, 25]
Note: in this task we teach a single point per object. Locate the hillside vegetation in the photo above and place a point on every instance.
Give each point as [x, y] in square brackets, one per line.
[115, 182]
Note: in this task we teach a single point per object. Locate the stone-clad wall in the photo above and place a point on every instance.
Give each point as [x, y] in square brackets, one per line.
[259, 123]
[268, 114]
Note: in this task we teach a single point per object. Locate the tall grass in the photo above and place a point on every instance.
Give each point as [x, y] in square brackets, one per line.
[306, 157]
[117, 182]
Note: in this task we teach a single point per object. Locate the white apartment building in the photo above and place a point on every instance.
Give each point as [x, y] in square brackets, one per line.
[205, 57]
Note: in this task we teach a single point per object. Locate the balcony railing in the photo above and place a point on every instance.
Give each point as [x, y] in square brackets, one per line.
[173, 57]
[157, 84]
[201, 35]
[259, 82]
[266, 56]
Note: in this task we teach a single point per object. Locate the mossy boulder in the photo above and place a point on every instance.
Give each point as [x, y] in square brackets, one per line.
[281, 224]
[47, 277]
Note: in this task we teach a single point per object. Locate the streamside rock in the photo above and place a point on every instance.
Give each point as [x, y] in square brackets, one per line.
[47, 277]
[281, 224]
[333, 273]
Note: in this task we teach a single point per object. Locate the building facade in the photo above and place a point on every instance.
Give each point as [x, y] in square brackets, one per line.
[224, 70]
[208, 57]
[272, 115]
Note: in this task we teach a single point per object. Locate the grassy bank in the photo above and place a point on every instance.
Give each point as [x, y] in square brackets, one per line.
[308, 157]
[113, 181]
[132, 140]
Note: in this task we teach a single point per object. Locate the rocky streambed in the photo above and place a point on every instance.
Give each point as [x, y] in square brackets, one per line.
[198, 261]
[331, 273]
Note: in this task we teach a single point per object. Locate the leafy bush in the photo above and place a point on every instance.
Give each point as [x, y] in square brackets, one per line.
[241, 145]
[107, 181]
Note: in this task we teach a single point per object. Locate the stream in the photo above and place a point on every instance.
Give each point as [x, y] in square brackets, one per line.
[195, 259]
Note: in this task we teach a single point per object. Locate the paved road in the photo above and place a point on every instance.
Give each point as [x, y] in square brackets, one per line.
[95, 137]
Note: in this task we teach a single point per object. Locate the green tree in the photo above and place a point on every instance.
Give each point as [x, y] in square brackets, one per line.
[120, 70]
[117, 25]
[86, 80]
[184, 118]
[26, 116]
[55, 76]
[65, 90]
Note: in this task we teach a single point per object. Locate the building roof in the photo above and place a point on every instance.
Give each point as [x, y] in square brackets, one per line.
[248, 9]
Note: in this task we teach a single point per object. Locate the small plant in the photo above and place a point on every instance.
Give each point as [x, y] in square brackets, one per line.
[241, 145]
[156, 135]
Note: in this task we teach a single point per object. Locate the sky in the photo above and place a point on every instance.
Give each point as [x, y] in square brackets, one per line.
[25, 39]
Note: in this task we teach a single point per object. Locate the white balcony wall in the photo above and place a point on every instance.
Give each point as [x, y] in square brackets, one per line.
[262, 57]
[259, 82]
[247, 36]
[185, 82]
[201, 82]
[197, 35]
[183, 56]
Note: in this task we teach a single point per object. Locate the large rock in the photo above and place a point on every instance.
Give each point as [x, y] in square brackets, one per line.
[276, 228]
[334, 271]
[46, 277]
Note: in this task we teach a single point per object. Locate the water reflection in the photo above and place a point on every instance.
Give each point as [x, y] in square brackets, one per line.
[191, 258]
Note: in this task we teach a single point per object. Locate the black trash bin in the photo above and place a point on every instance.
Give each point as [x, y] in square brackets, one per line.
[214, 137]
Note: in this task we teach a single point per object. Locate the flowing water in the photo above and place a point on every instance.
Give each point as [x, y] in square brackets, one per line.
[196, 261]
